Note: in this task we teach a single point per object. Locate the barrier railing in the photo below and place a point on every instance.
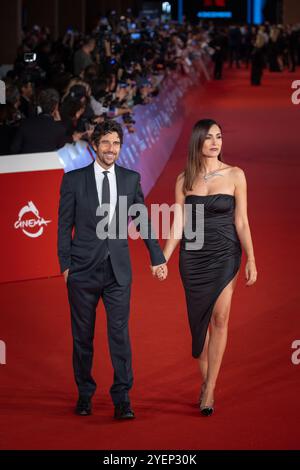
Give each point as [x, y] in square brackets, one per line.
[29, 184]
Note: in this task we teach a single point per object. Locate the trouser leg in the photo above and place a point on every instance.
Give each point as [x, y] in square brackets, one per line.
[83, 298]
[116, 300]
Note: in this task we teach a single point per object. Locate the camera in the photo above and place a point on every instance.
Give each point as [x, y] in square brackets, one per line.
[29, 57]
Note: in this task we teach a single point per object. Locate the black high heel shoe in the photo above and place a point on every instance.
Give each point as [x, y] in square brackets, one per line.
[207, 410]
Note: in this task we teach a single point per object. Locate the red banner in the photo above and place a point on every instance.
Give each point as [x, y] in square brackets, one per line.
[29, 224]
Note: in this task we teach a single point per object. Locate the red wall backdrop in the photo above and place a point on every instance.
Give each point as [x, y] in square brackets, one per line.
[24, 256]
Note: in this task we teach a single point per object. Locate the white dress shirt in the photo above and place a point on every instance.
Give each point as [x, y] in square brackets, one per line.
[112, 186]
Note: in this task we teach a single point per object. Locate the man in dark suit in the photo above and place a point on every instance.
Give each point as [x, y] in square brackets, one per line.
[97, 264]
[42, 133]
[27, 107]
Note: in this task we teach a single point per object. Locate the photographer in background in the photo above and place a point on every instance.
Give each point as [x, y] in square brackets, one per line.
[93, 78]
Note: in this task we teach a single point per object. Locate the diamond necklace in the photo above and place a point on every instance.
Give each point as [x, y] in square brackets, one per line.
[212, 173]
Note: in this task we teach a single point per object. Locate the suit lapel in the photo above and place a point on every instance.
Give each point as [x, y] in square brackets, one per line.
[121, 190]
[92, 190]
[121, 183]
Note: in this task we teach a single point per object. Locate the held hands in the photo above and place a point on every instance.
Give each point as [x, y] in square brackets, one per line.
[250, 272]
[160, 271]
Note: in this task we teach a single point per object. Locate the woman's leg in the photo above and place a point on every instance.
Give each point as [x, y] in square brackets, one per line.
[217, 339]
[203, 359]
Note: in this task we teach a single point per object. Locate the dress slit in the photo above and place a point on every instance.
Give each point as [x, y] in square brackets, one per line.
[197, 349]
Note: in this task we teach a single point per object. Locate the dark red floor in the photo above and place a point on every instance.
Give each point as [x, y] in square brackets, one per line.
[257, 400]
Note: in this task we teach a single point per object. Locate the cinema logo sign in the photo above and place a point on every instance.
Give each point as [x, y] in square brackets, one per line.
[32, 226]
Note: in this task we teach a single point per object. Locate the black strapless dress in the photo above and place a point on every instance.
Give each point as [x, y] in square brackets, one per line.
[205, 272]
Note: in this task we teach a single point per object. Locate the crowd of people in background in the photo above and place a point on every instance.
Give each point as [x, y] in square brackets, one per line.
[275, 47]
[59, 90]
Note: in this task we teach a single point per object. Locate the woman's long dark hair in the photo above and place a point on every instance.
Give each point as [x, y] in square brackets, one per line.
[194, 162]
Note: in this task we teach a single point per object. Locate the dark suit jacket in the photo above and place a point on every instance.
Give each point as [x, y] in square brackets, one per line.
[39, 134]
[77, 209]
[27, 108]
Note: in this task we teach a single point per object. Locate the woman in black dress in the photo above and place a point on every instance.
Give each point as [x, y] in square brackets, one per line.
[209, 273]
[258, 58]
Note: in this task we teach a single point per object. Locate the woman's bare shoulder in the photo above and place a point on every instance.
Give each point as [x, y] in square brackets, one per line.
[180, 180]
[180, 177]
[235, 171]
[238, 173]
[238, 178]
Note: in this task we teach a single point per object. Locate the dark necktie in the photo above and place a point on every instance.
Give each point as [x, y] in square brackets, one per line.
[105, 192]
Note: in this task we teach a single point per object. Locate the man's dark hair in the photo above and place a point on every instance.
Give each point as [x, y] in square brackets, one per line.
[77, 92]
[107, 127]
[48, 99]
[69, 108]
[24, 80]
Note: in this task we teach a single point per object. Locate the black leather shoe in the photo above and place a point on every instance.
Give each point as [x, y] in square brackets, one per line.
[83, 406]
[123, 411]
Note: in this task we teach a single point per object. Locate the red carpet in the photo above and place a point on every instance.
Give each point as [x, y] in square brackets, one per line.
[257, 400]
